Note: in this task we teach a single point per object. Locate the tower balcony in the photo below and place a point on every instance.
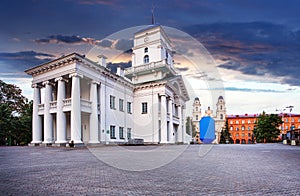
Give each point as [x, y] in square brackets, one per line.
[150, 68]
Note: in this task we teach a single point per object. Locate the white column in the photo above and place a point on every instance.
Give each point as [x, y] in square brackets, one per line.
[171, 130]
[48, 121]
[94, 114]
[155, 117]
[75, 109]
[103, 106]
[36, 119]
[163, 120]
[183, 125]
[180, 127]
[60, 115]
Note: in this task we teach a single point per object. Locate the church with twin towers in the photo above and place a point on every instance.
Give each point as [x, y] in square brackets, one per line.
[79, 100]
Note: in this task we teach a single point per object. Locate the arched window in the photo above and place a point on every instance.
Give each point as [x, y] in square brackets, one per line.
[196, 117]
[221, 116]
[221, 108]
[145, 50]
[196, 108]
[146, 59]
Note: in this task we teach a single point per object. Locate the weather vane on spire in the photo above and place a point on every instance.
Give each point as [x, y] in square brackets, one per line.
[152, 10]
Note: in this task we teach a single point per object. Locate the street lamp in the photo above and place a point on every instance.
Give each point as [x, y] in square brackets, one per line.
[283, 136]
[291, 135]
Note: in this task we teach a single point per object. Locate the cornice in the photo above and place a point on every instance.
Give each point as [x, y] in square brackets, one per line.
[71, 58]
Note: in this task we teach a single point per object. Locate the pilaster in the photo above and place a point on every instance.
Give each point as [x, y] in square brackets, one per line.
[171, 130]
[163, 119]
[94, 115]
[180, 127]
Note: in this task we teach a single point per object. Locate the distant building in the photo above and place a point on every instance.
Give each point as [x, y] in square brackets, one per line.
[241, 126]
[219, 118]
[85, 102]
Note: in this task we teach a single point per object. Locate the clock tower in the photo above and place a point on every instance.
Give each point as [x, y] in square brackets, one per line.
[152, 57]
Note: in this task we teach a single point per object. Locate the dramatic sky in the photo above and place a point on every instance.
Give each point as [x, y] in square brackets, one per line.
[255, 43]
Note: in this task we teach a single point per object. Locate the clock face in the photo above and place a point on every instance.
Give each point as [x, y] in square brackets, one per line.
[146, 39]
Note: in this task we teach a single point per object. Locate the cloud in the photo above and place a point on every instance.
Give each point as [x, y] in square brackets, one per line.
[113, 66]
[254, 48]
[19, 61]
[124, 44]
[73, 39]
[105, 43]
[252, 90]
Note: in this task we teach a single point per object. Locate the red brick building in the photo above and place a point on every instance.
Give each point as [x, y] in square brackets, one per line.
[241, 126]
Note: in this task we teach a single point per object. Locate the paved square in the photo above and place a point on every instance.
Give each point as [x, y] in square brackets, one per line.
[261, 169]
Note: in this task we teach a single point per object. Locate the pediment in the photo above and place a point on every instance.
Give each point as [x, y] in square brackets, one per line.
[178, 86]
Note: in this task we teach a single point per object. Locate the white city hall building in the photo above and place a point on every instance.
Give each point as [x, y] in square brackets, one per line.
[76, 99]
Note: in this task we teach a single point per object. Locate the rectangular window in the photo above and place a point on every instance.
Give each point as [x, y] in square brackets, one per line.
[243, 128]
[129, 133]
[112, 132]
[237, 122]
[129, 107]
[249, 134]
[237, 135]
[243, 134]
[231, 122]
[121, 132]
[121, 105]
[249, 128]
[144, 108]
[293, 120]
[243, 121]
[112, 102]
[249, 121]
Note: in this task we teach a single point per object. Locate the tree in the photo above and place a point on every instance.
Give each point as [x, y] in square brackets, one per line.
[266, 128]
[15, 115]
[190, 127]
[225, 134]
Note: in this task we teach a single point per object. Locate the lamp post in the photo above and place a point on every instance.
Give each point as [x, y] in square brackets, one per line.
[292, 137]
[283, 135]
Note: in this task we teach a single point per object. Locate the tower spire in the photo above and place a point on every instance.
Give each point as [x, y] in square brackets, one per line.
[152, 10]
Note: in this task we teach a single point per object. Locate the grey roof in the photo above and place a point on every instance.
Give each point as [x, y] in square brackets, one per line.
[148, 27]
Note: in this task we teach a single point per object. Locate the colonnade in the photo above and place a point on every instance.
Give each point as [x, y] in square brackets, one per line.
[167, 127]
[61, 120]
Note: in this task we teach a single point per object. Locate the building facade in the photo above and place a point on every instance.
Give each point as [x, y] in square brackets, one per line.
[241, 126]
[76, 99]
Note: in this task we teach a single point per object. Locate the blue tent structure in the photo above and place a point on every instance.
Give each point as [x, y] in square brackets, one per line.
[207, 129]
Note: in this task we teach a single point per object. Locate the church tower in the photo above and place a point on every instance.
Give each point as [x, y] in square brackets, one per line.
[221, 109]
[220, 117]
[197, 115]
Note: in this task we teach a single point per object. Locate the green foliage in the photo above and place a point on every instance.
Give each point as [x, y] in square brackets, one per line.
[266, 129]
[15, 116]
[190, 127]
[225, 134]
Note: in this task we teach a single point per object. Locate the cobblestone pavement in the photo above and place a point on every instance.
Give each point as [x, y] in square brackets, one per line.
[261, 169]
